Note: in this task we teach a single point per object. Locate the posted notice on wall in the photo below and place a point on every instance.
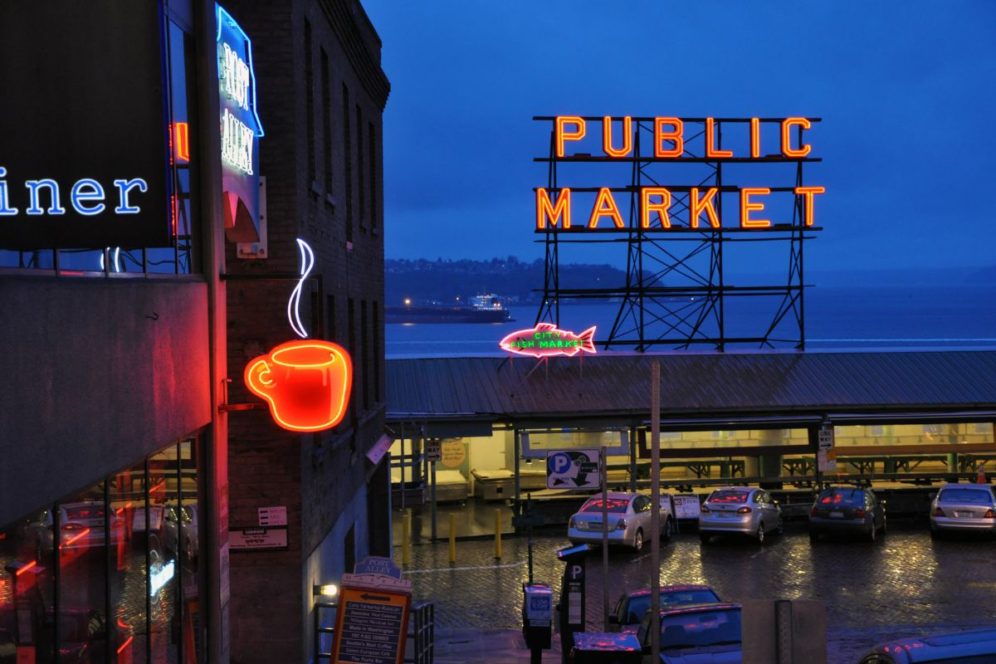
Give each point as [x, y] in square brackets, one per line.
[686, 506]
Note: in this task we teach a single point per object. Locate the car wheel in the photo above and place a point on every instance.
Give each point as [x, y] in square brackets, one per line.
[638, 539]
[667, 531]
[759, 535]
[872, 532]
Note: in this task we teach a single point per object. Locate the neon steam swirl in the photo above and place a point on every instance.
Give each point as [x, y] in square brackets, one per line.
[294, 304]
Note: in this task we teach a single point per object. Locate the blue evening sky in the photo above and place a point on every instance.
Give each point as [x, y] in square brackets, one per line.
[905, 89]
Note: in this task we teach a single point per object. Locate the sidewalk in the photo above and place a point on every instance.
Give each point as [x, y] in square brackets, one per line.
[500, 646]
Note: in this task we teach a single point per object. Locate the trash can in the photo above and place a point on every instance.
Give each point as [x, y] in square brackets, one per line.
[606, 648]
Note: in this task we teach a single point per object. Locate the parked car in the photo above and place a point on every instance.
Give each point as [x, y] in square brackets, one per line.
[972, 647]
[741, 510]
[81, 527]
[854, 510]
[629, 516]
[699, 633]
[632, 606]
[963, 507]
[179, 520]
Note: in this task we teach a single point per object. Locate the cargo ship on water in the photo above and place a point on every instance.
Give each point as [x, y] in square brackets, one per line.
[483, 309]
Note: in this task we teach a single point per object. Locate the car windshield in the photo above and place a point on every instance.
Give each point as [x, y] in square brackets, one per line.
[639, 605]
[617, 505]
[707, 628]
[973, 496]
[728, 497]
[84, 512]
[842, 497]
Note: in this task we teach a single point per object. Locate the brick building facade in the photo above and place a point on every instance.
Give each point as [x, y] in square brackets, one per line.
[321, 94]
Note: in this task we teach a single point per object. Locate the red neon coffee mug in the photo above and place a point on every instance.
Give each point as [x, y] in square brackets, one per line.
[306, 382]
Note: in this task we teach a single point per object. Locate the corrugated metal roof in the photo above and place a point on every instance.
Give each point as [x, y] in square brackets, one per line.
[693, 385]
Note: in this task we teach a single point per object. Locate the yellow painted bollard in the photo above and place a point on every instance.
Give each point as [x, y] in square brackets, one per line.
[452, 538]
[497, 534]
[406, 538]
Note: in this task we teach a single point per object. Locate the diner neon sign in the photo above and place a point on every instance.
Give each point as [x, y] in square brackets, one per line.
[657, 208]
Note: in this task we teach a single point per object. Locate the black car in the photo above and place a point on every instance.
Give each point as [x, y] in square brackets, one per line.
[633, 605]
[847, 510]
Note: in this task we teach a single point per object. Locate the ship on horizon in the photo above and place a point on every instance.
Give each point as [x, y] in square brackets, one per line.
[486, 308]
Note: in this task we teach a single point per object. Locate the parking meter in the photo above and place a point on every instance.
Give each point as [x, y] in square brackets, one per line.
[537, 617]
[572, 604]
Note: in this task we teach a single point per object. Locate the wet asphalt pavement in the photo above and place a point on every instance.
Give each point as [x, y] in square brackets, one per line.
[905, 584]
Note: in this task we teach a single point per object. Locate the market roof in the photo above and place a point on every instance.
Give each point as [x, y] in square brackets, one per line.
[693, 385]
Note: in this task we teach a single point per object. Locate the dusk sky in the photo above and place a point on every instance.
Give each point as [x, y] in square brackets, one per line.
[905, 90]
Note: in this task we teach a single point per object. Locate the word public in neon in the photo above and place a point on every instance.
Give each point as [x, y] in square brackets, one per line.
[547, 340]
[305, 382]
[658, 207]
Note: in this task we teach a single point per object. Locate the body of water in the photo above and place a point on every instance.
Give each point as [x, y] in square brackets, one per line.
[836, 318]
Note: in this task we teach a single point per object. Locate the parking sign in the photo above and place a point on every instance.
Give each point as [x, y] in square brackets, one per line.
[572, 469]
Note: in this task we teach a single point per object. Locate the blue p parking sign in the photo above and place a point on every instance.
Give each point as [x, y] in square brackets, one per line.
[572, 469]
[558, 463]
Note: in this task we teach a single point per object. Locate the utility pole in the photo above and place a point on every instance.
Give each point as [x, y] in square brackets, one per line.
[655, 518]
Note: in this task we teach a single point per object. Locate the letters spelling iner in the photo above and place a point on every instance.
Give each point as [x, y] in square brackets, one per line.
[669, 143]
[86, 197]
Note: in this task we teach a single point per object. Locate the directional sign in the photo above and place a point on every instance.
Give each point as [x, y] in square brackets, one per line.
[572, 469]
[371, 626]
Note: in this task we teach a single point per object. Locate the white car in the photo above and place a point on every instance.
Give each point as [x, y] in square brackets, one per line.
[629, 516]
[740, 510]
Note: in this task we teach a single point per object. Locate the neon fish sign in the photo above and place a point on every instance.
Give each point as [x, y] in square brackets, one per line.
[547, 340]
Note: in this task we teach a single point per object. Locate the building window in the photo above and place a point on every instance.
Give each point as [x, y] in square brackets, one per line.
[378, 335]
[347, 153]
[327, 121]
[361, 173]
[330, 318]
[351, 347]
[111, 573]
[372, 159]
[309, 101]
[365, 354]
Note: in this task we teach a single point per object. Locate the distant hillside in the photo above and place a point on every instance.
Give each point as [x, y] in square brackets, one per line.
[444, 281]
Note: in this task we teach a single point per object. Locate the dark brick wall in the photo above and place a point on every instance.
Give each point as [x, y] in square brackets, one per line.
[315, 476]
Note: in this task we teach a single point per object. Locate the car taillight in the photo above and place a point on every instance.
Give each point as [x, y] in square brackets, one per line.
[989, 514]
[705, 508]
[859, 513]
[621, 524]
[743, 510]
[938, 511]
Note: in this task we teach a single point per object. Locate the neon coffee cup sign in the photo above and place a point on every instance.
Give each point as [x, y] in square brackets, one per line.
[305, 382]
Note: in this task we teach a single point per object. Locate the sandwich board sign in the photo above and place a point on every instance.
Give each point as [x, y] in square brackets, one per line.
[372, 620]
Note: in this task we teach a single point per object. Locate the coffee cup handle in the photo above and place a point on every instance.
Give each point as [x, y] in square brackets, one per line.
[258, 376]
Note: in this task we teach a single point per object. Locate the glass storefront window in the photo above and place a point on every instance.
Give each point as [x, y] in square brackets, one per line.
[110, 573]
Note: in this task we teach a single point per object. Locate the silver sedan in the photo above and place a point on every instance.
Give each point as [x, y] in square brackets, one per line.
[963, 507]
[740, 510]
[629, 516]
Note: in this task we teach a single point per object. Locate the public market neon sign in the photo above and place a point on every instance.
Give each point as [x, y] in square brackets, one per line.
[305, 382]
[698, 209]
